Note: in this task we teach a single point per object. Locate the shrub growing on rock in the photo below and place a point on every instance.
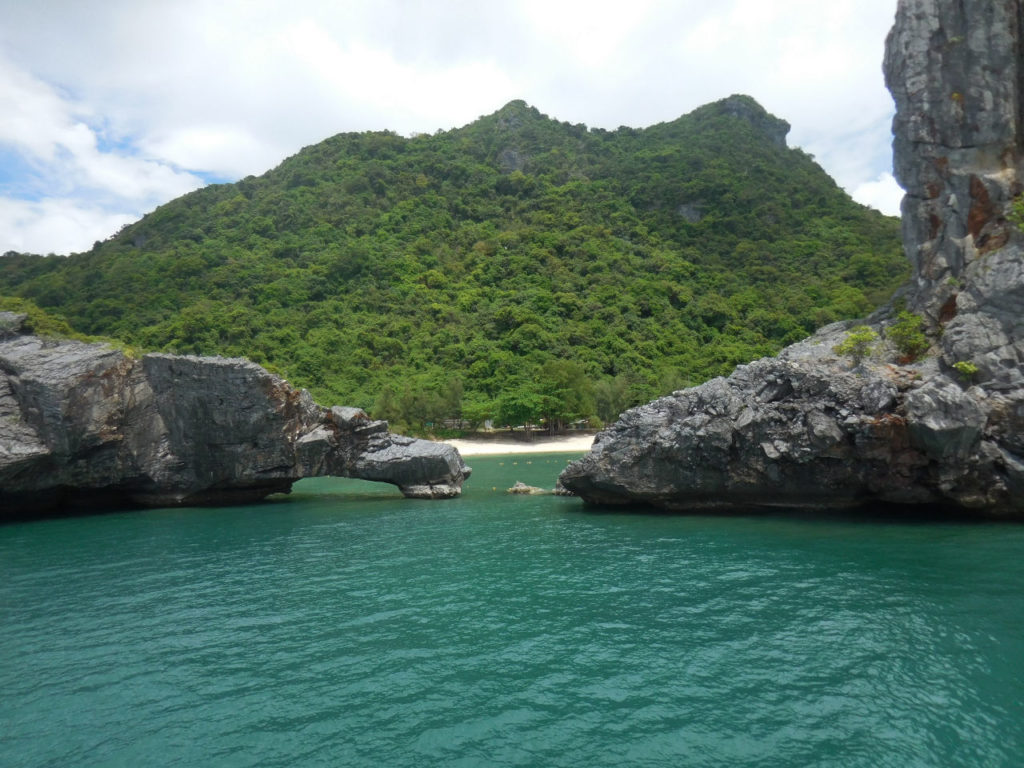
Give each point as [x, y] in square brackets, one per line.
[858, 344]
[966, 369]
[907, 333]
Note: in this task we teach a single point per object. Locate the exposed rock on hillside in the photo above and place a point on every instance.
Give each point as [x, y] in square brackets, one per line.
[83, 424]
[814, 428]
[747, 109]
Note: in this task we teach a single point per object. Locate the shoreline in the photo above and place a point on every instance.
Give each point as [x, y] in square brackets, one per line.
[499, 447]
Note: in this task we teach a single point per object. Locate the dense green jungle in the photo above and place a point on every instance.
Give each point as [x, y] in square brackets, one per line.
[518, 268]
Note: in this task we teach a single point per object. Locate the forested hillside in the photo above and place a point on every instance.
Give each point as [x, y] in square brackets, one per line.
[518, 267]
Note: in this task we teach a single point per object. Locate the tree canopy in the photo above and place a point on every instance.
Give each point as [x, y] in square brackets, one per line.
[518, 268]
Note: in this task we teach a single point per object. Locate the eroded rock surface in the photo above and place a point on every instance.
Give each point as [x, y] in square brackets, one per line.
[814, 428]
[522, 489]
[811, 429]
[83, 424]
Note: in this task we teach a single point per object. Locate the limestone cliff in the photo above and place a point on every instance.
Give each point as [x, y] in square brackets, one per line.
[82, 424]
[815, 428]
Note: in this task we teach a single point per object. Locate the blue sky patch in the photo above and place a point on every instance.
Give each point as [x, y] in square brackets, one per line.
[19, 177]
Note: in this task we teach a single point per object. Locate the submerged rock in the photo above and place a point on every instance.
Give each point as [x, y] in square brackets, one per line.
[521, 488]
[815, 428]
[83, 424]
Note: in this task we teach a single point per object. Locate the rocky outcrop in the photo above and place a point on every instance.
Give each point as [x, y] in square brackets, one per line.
[813, 427]
[746, 108]
[522, 489]
[83, 424]
[954, 70]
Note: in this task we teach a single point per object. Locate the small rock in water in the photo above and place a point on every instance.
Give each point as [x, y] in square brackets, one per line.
[527, 490]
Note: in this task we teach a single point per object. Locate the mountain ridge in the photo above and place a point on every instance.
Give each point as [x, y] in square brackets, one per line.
[500, 259]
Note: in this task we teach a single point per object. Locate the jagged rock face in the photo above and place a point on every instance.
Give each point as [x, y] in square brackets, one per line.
[956, 72]
[82, 423]
[810, 428]
[954, 69]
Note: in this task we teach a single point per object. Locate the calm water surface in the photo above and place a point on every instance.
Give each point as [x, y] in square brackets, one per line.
[345, 626]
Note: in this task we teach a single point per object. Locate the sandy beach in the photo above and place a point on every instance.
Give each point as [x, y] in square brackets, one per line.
[541, 444]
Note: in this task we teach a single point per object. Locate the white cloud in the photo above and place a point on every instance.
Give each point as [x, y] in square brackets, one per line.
[882, 194]
[222, 150]
[55, 225]
[33, 117]
[82, 188]
[127, 101]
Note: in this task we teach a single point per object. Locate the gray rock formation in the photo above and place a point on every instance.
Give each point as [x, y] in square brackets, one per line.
[82, 424]
[954, 70]
[815, 428]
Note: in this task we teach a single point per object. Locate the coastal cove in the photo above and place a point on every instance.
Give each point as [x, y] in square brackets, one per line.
[345, 625]
[232, 534]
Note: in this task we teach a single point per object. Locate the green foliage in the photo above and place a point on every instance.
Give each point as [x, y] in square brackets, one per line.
[549, 269]
[966, 369]
[907, 333]
[39, 321]
[477, 410]
[858, 344]
[1016, 215]
[612, 397]
[518, 407]
[46, 324]
[419, 405]
[566, 393]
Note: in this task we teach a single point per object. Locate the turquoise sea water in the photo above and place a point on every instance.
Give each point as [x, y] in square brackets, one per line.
[345, 626]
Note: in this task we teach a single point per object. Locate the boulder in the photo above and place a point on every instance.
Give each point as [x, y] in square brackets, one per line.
[522, 489]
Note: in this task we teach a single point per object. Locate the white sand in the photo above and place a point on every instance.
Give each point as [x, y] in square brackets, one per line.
[542, 444]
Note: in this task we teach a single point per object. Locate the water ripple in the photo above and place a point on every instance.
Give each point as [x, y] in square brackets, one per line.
[359, 629]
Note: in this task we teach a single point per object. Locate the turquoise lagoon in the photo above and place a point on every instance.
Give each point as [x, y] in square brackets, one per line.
[346, 626]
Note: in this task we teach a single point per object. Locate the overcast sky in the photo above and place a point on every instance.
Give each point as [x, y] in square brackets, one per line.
[109, 108]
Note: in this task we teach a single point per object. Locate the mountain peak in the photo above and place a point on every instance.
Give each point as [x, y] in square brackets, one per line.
[515, 106]
[516, 114]
[370, 261]
[747, 108]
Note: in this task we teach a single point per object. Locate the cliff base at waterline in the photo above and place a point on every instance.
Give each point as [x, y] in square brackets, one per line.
[83, 424]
